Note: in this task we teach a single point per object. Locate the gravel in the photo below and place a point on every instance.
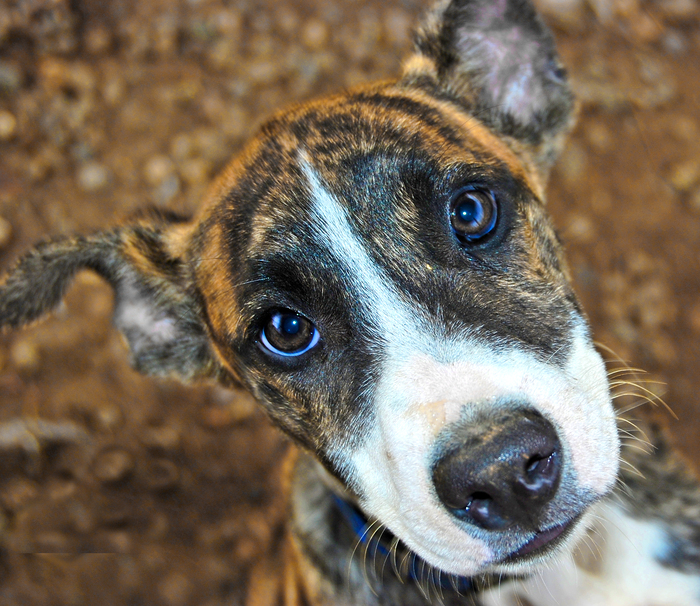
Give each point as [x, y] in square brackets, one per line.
[121, 104]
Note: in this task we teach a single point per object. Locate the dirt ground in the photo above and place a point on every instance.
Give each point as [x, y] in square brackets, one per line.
[118, 489]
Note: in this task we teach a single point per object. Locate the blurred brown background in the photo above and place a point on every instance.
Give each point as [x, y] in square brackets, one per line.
[106, 105]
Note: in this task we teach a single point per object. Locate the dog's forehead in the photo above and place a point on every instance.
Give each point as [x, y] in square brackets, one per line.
[385, 158]
[363, 146]
[381, 120]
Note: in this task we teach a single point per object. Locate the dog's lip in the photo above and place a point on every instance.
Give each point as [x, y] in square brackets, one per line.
[543, 541]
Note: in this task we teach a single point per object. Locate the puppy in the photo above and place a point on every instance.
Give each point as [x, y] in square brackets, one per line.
[379, 270]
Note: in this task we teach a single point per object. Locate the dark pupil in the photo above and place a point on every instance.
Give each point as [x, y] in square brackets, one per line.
[470, 212]
[290, 325]
[288, 332]
[473, 214]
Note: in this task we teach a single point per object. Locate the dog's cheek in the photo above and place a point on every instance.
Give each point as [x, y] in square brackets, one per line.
[397, 490]
[595, 473]
[287, 409]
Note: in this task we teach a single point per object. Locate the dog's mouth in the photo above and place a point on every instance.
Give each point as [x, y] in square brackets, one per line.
[544, 542]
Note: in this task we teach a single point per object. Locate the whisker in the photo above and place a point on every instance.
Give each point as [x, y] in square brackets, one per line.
[635, 446]
[618, 395]
[624, 534]
[404, 563]
[393, 550]
[634, 406]
[418, 580]
[554, 354]
[368, 542]
[358, 541]
[618, 359]
[633, 424]
[438, 584]
[387, 555]
[632, 436]
[654, 397]
[626, 370]
[624, 487]
[544, 583]
[380, 529]
[593, 547]
[617, 382]
[632, 468]
[348, 575]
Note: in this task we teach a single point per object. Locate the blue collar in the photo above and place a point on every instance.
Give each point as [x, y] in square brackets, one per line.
[417, 570]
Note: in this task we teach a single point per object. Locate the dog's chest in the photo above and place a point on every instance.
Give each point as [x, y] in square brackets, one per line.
[617, 564]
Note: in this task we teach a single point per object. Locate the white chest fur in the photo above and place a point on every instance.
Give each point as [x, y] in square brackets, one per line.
[615, 565]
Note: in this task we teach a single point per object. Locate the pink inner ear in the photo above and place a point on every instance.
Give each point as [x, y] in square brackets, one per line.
[164, 330]
[142, 323]
[510, 76]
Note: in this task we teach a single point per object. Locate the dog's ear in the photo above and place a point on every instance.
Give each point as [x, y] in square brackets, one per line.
[156, 303]
[498, 59]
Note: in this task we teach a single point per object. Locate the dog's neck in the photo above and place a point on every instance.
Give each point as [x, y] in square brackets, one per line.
[348, 550]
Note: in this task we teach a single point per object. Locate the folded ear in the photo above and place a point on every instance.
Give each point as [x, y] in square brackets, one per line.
[157, 307]
[498, 59]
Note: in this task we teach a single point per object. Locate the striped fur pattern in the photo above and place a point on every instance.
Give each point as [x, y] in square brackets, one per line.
[339, 212]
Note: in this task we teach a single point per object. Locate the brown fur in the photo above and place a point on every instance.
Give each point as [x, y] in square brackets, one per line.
[191, 292]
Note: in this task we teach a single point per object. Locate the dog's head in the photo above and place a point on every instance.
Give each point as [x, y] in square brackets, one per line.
[379, 270]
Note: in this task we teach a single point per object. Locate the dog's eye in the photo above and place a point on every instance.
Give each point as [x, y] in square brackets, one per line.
[473, 214]
[286, 333]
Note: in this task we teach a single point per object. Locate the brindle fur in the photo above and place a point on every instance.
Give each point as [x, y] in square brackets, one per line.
[191, 293]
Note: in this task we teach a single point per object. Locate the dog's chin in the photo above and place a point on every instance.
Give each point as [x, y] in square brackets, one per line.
[547, 545]
[534, 554]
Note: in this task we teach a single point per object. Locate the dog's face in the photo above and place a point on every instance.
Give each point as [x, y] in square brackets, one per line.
[379, 270]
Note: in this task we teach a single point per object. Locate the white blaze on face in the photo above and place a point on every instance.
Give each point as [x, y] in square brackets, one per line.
[428, 382]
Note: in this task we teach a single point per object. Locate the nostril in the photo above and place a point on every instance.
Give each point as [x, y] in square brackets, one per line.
[535, 463]
[466, 503]
[484, 511]
[541, 473]
[480, 508]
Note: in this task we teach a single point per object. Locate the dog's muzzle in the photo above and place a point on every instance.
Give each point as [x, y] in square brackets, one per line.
[500, 473]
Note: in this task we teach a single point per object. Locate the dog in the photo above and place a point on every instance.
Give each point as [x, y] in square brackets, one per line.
[378, 269]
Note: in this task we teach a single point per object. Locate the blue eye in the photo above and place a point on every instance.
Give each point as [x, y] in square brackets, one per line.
[288, 334]
[473, 214]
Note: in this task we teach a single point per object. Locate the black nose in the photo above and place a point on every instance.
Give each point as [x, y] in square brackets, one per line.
[500, 472]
